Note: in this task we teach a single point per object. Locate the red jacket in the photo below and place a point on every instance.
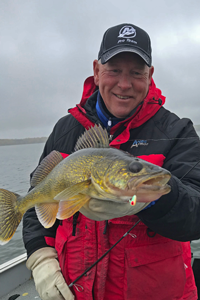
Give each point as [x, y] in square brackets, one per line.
[144, 265]
[140, 267]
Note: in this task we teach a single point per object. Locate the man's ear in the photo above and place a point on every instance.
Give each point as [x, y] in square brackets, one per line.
[151, 71]
[96, 71]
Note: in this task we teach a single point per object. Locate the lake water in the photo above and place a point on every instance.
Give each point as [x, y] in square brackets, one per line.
[16, 164]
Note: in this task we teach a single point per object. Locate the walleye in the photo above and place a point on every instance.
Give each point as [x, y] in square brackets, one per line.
[95, 170]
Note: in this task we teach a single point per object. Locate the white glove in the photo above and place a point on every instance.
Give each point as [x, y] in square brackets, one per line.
[49, 281]
[100, 210]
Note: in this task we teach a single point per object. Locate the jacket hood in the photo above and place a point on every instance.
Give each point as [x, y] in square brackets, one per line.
[154, 94]
[151, 104]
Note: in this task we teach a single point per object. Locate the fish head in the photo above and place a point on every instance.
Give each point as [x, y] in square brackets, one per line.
[149, 181]
[128, 176]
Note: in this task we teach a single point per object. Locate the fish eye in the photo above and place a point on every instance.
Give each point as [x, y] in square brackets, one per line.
[135, 167]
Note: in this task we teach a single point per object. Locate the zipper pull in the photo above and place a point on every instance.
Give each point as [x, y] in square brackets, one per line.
[109, 124]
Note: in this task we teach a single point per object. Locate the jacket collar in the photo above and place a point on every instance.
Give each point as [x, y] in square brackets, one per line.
[151, 104]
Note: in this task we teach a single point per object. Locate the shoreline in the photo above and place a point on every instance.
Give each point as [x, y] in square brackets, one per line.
[11, 142]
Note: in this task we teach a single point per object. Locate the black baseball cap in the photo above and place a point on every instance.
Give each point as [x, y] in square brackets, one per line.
[125, 38]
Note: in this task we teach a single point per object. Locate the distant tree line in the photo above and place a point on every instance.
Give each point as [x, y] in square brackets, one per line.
[6, 142]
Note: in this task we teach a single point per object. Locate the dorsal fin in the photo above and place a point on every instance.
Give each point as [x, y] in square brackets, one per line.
[95, 137]
[45, 167]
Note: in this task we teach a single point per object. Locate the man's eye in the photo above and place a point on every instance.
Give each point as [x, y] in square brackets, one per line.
[114, 71]
[137, 74]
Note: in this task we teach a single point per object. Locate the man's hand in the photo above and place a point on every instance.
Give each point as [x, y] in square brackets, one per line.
[49, 281]
[100, 210]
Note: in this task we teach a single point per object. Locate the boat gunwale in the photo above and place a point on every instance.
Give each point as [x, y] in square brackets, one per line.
[13, 262]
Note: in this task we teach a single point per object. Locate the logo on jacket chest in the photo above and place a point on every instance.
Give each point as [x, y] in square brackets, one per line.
[138, 143]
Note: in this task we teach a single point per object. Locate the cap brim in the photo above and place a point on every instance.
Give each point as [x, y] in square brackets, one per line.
[109, 54]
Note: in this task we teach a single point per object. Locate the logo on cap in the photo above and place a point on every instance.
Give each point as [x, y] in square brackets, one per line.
[127, 32]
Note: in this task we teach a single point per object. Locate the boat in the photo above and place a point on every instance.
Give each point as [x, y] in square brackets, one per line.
[16, 281]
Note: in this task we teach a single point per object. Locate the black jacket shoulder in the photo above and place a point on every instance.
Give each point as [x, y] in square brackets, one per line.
[64, 136]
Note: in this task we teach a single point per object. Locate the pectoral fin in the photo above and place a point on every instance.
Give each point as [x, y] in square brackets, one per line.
[73, 190]
[46, 213]
[70, 207]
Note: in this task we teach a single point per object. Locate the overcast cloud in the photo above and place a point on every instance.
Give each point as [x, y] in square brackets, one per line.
[47, 50]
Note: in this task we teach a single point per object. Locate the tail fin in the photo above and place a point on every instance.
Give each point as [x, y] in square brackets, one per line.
[10, 217]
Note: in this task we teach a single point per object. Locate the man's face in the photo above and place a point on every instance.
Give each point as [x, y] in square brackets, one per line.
[123, 82]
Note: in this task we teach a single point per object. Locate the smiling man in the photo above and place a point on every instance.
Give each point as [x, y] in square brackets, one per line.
[154, 260]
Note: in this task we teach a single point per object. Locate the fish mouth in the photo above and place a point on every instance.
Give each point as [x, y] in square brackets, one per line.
[156, 182]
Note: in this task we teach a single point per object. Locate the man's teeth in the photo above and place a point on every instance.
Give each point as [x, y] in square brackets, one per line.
[122, 97]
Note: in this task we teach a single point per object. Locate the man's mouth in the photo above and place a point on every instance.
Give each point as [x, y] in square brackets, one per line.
[122, 97]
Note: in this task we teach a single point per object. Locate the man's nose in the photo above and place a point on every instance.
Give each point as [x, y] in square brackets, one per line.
[124, 82]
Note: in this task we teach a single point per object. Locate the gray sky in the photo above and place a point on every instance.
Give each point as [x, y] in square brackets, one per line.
[47, 49]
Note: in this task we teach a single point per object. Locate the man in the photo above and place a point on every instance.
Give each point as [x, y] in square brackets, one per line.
[153, 261]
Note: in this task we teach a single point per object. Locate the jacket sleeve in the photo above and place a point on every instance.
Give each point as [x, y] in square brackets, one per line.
[176, 215]
[35, 236]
